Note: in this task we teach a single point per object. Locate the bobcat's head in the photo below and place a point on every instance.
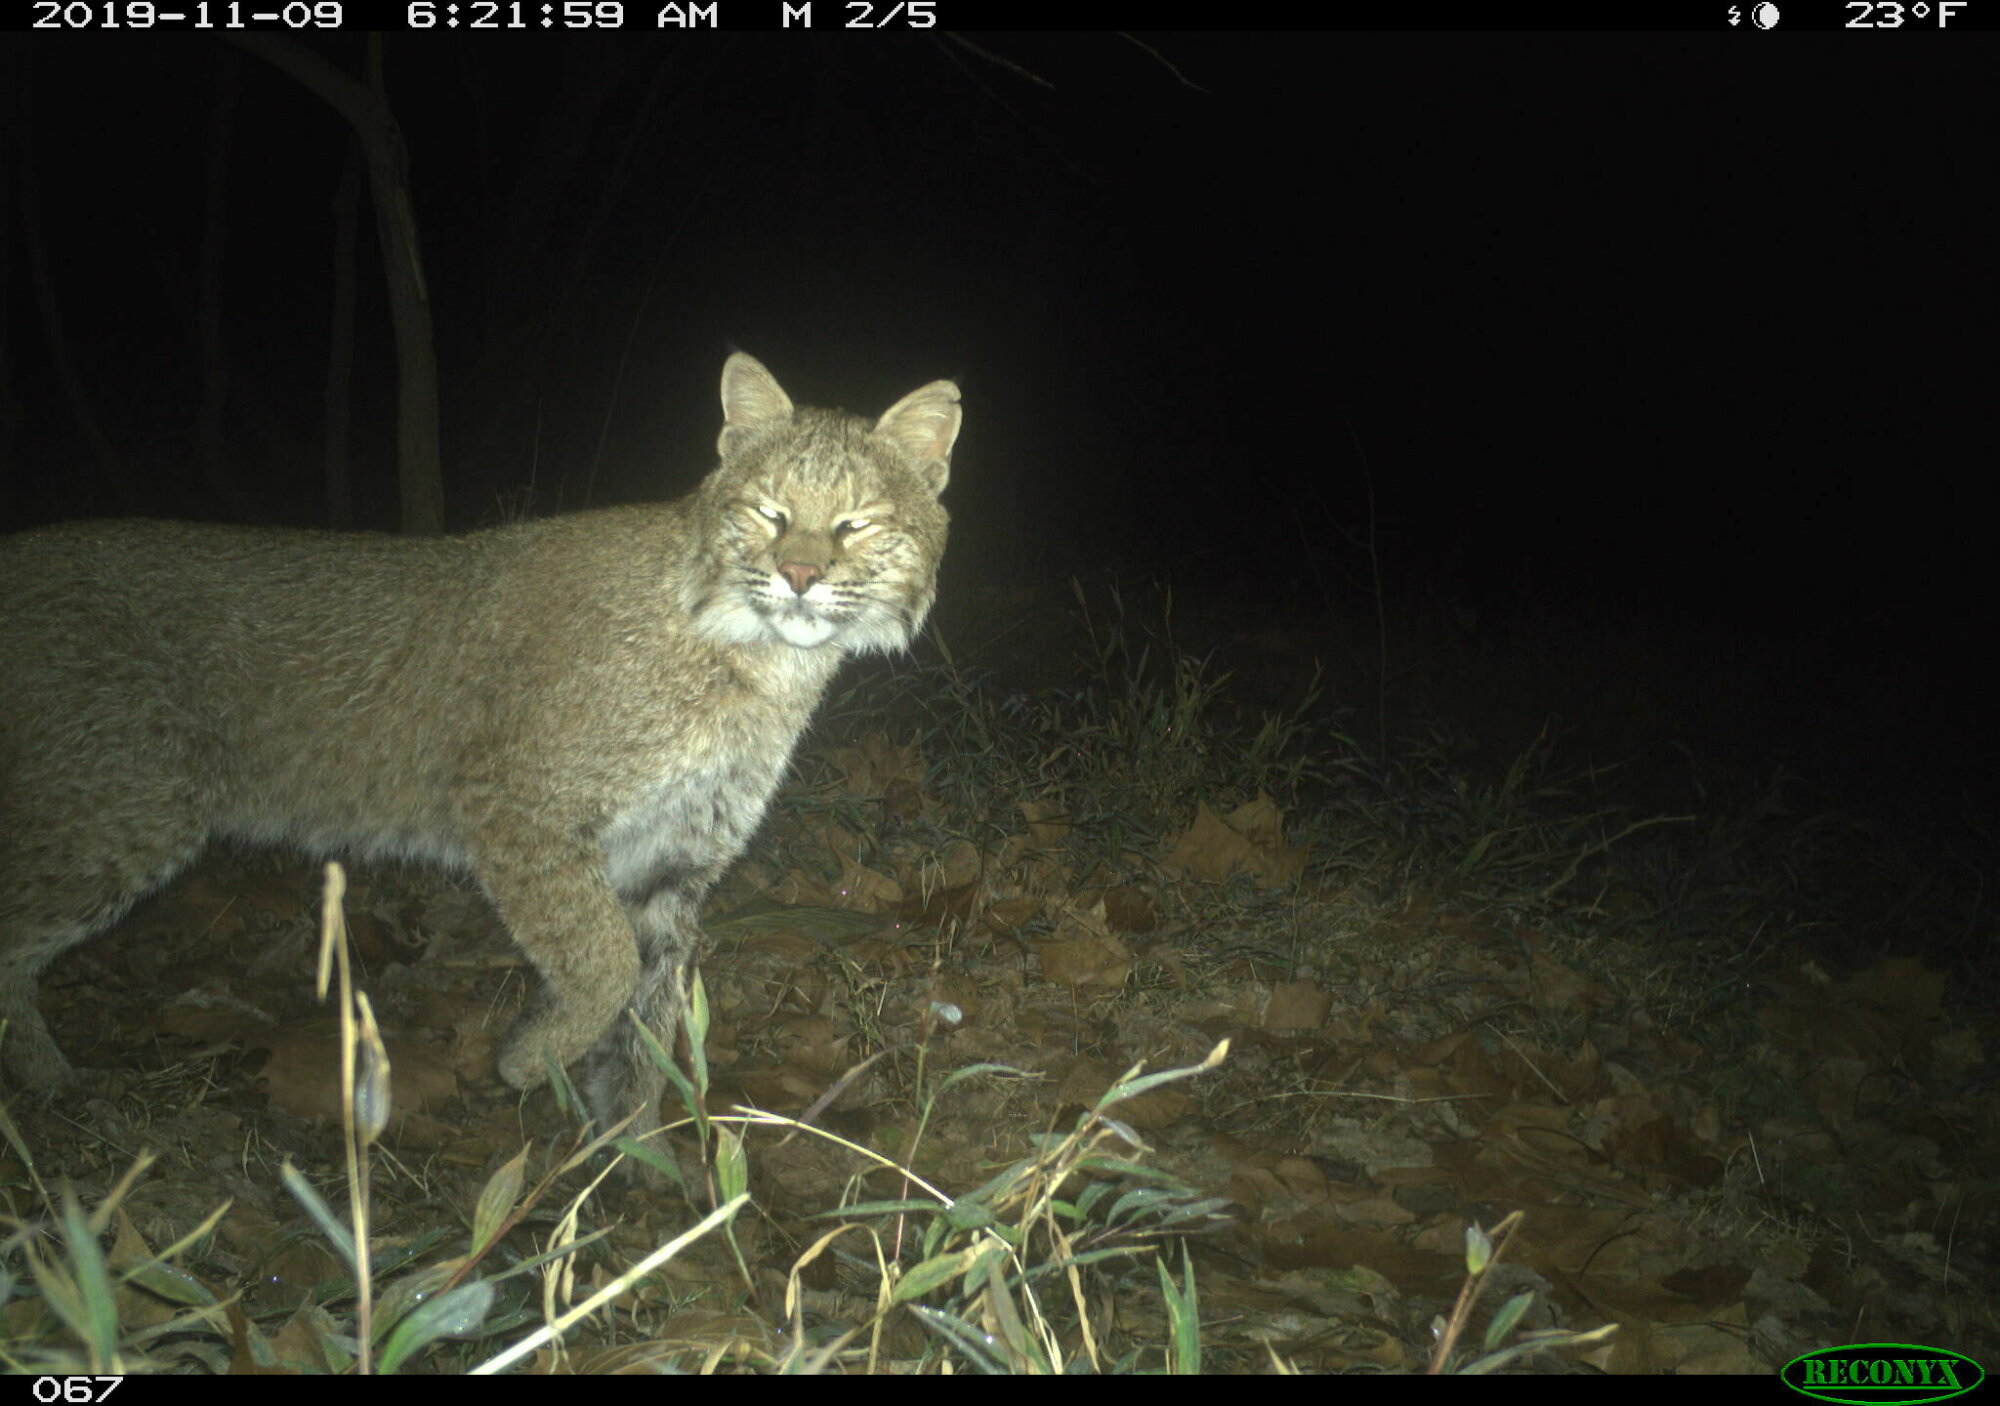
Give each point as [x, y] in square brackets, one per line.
[819, 529]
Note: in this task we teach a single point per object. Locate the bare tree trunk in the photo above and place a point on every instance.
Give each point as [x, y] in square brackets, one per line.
[210, 351]
[42, 279]
[514, 340]
[366, 108]
[340, 345]
[12, 413]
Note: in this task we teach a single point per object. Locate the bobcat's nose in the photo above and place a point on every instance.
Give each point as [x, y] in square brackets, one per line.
[801, 575]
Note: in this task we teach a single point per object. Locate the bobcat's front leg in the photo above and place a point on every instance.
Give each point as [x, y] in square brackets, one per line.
[559, 907]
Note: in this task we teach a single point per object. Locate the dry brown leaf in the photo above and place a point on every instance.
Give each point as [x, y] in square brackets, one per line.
[1154, 1110]
[939, 906]
[1209, 849]
[136, 1308]
[875, 765]
[1251, 840]
[1903, 985]
[1089, 961]
[1010, 914]
[1557, 988]
[1296, 1005]
[1129, 908]
[869, 890]
[299, 1343]
[302, 1075]
[1048, 821]
[959, 862]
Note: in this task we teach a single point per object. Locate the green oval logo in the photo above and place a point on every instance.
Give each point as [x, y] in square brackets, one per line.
[1870, 1373]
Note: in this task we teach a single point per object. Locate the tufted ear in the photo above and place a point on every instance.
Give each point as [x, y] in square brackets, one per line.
[751, 399]
[925, 424]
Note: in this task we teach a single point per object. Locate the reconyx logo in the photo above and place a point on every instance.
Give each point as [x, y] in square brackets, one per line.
[1871, 1373]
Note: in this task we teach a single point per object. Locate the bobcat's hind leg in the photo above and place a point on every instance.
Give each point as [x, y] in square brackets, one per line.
[623, 1075]
[56, 893]
[29, 1052]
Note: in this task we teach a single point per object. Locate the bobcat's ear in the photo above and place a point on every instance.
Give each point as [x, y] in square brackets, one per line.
[751, 398]
[925, 423]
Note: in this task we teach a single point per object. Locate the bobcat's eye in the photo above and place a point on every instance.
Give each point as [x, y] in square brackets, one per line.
[851, 526]
[774, 516]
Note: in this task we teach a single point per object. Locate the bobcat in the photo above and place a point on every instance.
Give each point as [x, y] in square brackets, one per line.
[589, 712]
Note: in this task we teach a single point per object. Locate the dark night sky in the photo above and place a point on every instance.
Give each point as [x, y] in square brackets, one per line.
[1699, 324]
